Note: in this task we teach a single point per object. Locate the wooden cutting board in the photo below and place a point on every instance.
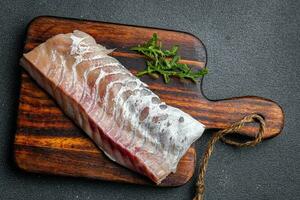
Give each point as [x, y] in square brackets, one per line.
[47, 141]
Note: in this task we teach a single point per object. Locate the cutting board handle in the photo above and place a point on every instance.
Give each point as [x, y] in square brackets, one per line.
[228, 111]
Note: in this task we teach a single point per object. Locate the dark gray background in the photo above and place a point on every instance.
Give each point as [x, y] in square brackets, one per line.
[253, 49]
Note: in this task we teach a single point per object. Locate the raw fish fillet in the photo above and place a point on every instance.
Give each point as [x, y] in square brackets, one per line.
[126, 120]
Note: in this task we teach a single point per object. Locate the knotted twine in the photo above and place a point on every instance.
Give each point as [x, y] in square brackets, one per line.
[234, 128]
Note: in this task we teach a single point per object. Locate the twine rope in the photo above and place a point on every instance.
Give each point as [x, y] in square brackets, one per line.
[220, 135]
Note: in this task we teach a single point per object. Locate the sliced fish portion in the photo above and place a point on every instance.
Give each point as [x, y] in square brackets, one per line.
[126, 120]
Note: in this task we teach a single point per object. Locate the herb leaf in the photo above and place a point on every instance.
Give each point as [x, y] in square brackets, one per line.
[165, 62]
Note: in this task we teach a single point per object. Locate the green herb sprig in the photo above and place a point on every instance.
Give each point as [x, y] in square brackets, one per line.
[165, 62]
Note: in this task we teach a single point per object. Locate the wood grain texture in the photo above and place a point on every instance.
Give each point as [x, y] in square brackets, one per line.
[47, 141]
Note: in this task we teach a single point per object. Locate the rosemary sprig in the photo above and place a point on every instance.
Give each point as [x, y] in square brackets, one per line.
[165, 62]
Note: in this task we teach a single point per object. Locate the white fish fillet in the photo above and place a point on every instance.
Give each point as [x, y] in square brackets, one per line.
[118, 111]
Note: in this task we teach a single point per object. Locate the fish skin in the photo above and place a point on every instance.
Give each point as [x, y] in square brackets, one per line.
[117, 111]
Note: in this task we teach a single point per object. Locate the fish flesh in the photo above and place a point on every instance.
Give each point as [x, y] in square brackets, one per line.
[125, 119]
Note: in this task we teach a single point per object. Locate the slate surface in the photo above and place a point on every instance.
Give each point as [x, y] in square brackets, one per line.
[253, 49]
